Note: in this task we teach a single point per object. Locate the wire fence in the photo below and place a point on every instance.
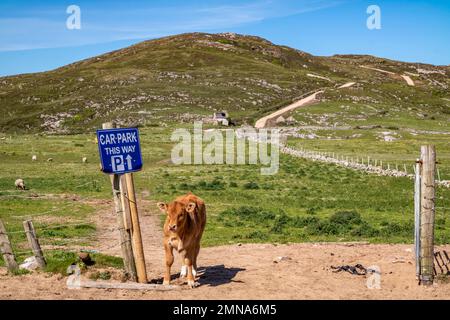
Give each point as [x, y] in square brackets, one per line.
[364, 163]
[72, 244]
[355, 162]
[59, 241]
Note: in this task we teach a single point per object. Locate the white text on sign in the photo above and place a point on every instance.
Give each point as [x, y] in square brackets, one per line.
[118, 138]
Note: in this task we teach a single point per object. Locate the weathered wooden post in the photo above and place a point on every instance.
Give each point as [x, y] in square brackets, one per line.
[125, 235]
[417, 216]
[6, 249]
[34, 243]
[427, 203]
[136, 230]
[125, 204]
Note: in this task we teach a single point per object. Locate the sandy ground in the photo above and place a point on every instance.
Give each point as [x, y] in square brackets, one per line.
[347, 85]
[246, 271]
[408, 80]
[262, 123]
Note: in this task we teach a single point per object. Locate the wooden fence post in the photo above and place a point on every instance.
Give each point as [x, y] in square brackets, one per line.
[136, 234]
[417, 217]
[6, 249]
[34, 243]
[125, 235]
[125, 204]
[427, 202]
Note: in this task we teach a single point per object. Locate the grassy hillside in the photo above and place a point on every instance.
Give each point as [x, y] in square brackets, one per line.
[186, 77]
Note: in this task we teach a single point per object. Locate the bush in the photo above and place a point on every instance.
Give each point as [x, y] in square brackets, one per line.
[258, 234]
[251, 186]
[364, 230]
[280, 222]
[216, 184]
[300, 222]
[340, 223]
[268, 186]
[346, 218]
[396, 229]
[253, 214]
[321, 227]
[184, 186]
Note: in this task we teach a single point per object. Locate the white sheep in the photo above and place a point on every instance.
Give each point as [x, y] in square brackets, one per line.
[84, 160]
[34, 157]
[20, 184]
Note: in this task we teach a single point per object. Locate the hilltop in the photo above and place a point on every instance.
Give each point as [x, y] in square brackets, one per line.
[187, 77]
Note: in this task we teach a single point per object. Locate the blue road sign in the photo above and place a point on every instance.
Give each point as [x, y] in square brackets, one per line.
[120, 150]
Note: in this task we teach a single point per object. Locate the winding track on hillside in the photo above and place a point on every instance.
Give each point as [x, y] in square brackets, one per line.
[309, 100]
[264, 121]
[408, 79]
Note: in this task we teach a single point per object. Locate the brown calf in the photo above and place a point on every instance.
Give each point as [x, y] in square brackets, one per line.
[183, 229]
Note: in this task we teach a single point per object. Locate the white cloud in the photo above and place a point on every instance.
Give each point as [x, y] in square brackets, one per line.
[46, 29]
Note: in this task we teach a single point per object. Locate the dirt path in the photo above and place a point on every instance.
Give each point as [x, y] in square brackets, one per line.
[312, 75]
[408, 79]
[262, 123]
[347, 85]
[311, 99]
[379, 70]
[108, 235]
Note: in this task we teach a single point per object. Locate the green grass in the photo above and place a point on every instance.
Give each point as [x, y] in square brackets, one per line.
[300, 200]
[58, 261]
[300, 189]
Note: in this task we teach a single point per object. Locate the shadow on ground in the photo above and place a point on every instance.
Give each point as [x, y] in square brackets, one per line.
[212, 276]
[218, 275]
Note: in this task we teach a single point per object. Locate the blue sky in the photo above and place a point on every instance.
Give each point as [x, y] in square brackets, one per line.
[34, 37]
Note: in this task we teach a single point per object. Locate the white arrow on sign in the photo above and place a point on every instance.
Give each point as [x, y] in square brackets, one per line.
[130, 166]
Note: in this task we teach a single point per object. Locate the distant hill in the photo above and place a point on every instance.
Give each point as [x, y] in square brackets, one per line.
[189, 76]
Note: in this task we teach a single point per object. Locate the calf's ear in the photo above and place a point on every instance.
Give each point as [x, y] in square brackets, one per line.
[162, 206]
[190, 208]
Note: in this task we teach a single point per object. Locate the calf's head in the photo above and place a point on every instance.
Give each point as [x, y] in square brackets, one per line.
[178, 214]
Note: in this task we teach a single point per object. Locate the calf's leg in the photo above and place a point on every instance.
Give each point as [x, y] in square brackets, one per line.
[190, 277]
[169, 261]
[194, 263]
[183, 272]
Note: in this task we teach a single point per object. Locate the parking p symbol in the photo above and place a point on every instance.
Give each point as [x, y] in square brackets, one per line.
[117, 163]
